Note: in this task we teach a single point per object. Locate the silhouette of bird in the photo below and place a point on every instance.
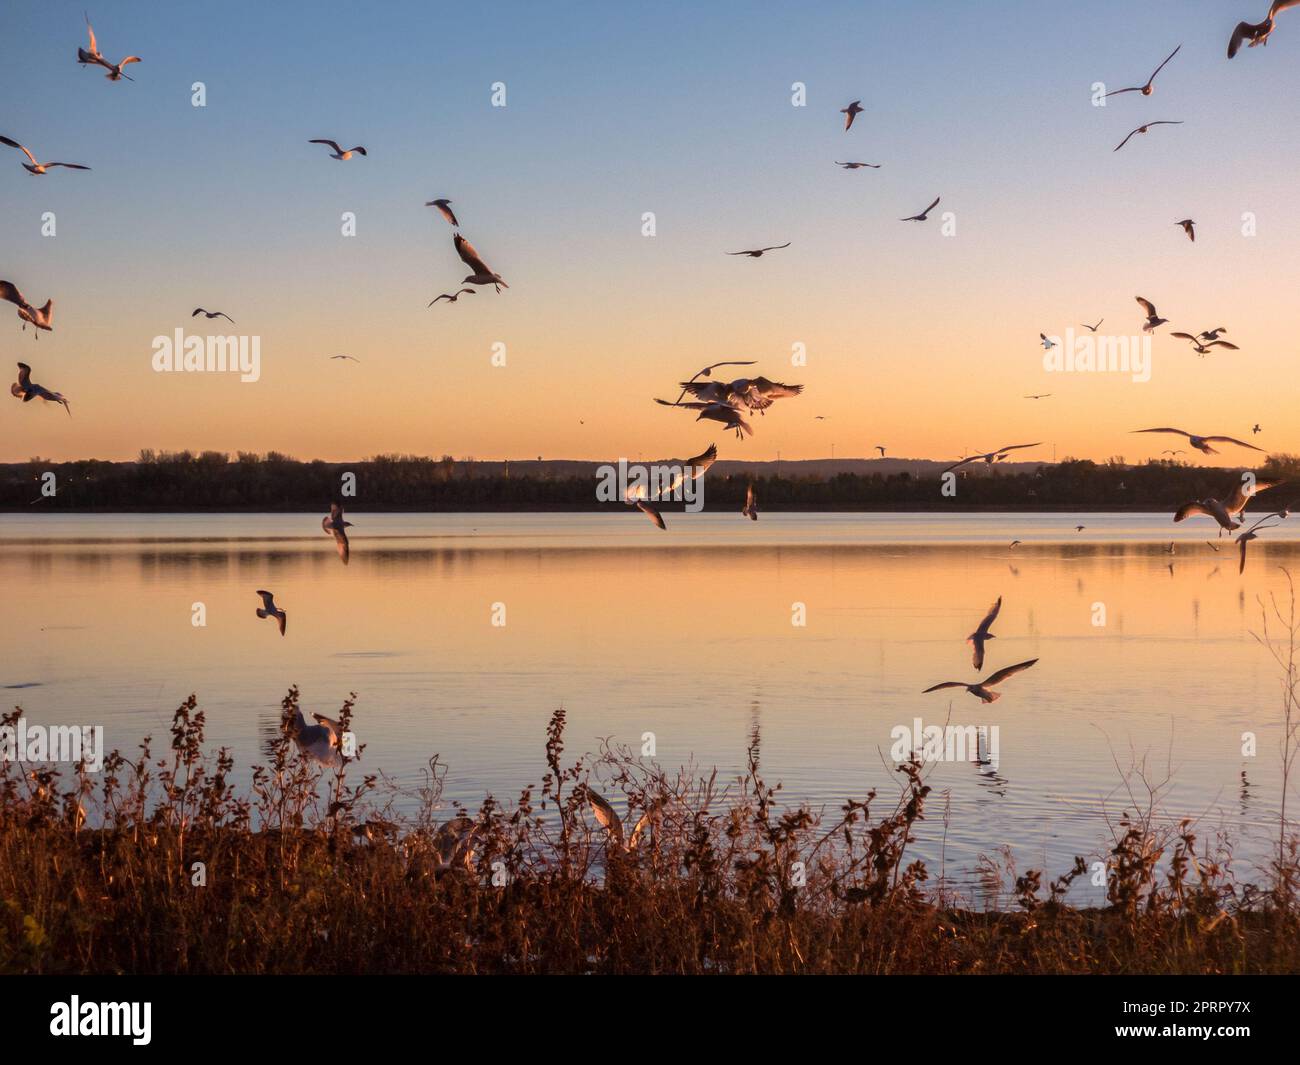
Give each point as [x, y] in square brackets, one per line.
[444, 209]
[1149, 87]
[27, 390]
[1153, 319]
[86, 58]
[857, 166]
[922, 216]
[268, 609]
[482, 275]
[1144, 129]
[38, 168]
[1189, 227]
[983, 690]
[212, 314]
[1093, 328]
[758, 252]
[1257, 33]
[452, 297]
[40, 317]
[1202, 443]
[335, 526]
[850, 113]
[989, 457]
[338, 152]
[981, 634]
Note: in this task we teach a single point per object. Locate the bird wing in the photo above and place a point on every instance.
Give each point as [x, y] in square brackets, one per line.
[68, 166]
[10, 292]
[1147, 306]
[605, 815]
[777, 247]
[24, 374]
[775, 389]
[932, 206]
[1014, 447]
[134, 59]
[1234, 440]
[990, 617]
[1167, 58]
[1008, 672]
[322, 140]
[1165, 429]
[1189, 509]
[1125, 140]
[945, 684]
[961, 462]
[94, 47]
[702, 462]
[469, 256]
[652, 513]
[268, 600]
[1119, 92]
[1222, 344]
[1184, 336]
[1240, 497]
[21, 148]
[749, 497]
[358, 148]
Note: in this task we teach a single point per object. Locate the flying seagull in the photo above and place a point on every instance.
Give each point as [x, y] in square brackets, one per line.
[708, 372]
[1149, 87]
[1189, 227]
[1153, 319]
[1257, 429]
[981, 634]
[990, 457]
[34, 167]
[482, 275]
[1212, 334]
[85, 58]
[28, 391]
[750, 509]
[922, 216]
[352, 357]
[338, 153]
[1093, 328]
[857, 166]
[1224, 510]
[850, 113]
[1144, 129]
[444, 209]
[758, 252]
[1047, 344]
[268, 609]
[728, 415]
[881, 449]
[212, 314]
[1258, 32]
[40, 317]
[1202, 443]
[1251, 534]
[335, 526]
[687, 469]
[452, 297]
[984, 689]
[1039, 395]
[1203, 348]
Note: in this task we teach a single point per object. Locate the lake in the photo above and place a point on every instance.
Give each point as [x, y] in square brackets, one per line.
[688, 634]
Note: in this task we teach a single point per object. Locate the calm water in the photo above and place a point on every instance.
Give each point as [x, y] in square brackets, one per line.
[686, 634]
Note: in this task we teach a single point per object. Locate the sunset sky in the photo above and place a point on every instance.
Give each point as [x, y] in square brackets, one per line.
[915, 340]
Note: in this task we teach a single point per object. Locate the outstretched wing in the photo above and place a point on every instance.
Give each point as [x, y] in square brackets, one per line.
[946, 684]
[1008, 671]
[469, 255]
[23, 149]
[1234, 440]
[332, 144]
[605, 815]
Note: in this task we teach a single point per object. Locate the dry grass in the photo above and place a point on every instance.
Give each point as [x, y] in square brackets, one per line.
[308, 871]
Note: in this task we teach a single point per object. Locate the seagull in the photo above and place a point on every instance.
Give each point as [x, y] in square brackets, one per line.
[1202, 443]
[753, 393]
[1189, 227]
[851, 112]
[750, 509]
[1153, 319]
[881, 449]
[319, 742]
[1144, 129]
[335, 526]
[857, 166]
[1257, 33]
[352, 357]
[1079, 528]
[717, 412]
[452, 297]
[708, 372]
[1212, 334]
[25, 388]
[453, 845]
[1149, 87]
[1211, 508]
[268, 609]
[990, 457]
[1014, 544]
[639, 496]
[41, 318]
[922, 216]
[613, 825]
[1093, 328]
[1180, 451]
[481, 275]
[978, 638]
[34, 167]
[1257, 429]
[983, 689]
[212, 314]
[1204, 348]
[758, 252]
[1251, 534]
[444, 209]
[1047, 344]
[85, 58]
[1039, 395]
[338, 152]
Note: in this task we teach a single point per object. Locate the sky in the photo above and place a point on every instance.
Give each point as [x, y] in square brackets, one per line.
[918, 339]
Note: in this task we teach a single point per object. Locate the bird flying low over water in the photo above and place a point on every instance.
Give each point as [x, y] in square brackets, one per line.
[1253, 532]
[452, 297]
[728, 415]
[212, 314]
[25, 389]
[1153, 319]
[758, 252]
[989, 457]
[338, 153]
[977, 638]
[34, 167]
[922, 216]
[444, 209]
[335, 526]
[983, 690]
[1257, 33]
[1145, 129]
[857, 166]
[40, 317]
[1149, 87]
[850, 113]
[1189, 227]
[86, 58]
[482, 275]
[750, 509]
[268, 609]
[638, 495]
[1224, 510]
[1202, 443]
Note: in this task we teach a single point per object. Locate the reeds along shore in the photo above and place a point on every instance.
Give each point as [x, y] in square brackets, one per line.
[311, 871]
